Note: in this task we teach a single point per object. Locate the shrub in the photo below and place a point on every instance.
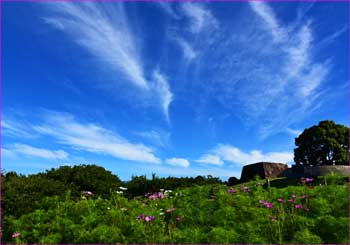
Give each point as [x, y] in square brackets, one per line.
[306, 237]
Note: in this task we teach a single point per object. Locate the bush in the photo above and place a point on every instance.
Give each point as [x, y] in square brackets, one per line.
[306, 237]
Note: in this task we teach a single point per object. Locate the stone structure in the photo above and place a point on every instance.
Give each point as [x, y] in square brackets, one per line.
[273, 170]
[264, 170]
[299, 171]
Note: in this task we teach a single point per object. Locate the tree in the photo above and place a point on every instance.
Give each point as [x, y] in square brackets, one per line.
[85, 178]
[233, 181]
[324, 144]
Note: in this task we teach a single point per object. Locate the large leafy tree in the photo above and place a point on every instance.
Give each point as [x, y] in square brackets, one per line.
[324, 144]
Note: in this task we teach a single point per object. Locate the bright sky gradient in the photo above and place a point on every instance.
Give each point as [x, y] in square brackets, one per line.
[180, 89]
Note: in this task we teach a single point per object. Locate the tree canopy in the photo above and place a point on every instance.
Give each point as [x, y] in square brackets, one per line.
[324, 144]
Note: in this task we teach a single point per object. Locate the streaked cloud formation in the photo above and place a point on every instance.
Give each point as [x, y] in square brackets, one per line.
[163, 91]
[14, 129]
[93, 138]
[106, 34]
[187, 49]
[232, 154]
[272, 25]
[200, 17]
[92, 28]
[272, 80]
[27, 150]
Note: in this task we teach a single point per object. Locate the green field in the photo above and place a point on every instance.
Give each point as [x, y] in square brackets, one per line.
[286, 212]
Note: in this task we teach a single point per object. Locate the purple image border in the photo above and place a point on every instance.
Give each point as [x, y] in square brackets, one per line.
[24, 1]
[313, 1]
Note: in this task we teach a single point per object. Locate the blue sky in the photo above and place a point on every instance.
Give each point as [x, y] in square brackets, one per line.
[180, 89]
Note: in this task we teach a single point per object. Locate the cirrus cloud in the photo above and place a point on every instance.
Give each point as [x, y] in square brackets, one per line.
[93, 138]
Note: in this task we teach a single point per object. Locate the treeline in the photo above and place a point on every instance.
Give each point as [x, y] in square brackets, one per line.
[22, 194]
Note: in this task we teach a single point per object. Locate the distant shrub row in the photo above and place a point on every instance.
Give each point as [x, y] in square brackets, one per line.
[21, 194]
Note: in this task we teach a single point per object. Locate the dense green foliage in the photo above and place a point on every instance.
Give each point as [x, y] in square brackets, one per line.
[23, 194]
[324, 144]
[140, 185]
[212, 213]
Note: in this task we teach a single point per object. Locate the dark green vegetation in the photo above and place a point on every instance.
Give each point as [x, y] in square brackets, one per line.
[57, 210]
[22, 194]
[324, 144]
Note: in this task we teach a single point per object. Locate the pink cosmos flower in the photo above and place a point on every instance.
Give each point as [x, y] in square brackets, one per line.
[161, 195]
[308, 180]
[298, 206]
[178, 218]
[268, 205]
[307, 209]
[280, 200]
[231, 190]
[16, 234]
[290, 200]
[153, 196]
[149, 218]
[304, 196]
[245, 189]
[294, 196]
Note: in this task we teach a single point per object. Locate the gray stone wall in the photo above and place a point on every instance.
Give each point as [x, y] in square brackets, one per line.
[324, 170]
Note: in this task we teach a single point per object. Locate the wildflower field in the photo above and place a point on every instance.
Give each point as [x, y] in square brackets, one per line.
[310, 211]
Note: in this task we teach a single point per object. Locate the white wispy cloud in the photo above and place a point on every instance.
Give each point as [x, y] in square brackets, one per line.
[6, 153]
[15, 129]
[298, 53]
[93, 138]
[106, 37]
[104, 31]
[157, 137]
[181, 162]
[300, 65]
[294, 132]
[332, 37]
[232, 154]
[272, 80]
[163, 90]
[199, 16]
[210, 159]
[272, 25]
[27, 150]
[187, 49]
[167, 7]
[55, 23]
